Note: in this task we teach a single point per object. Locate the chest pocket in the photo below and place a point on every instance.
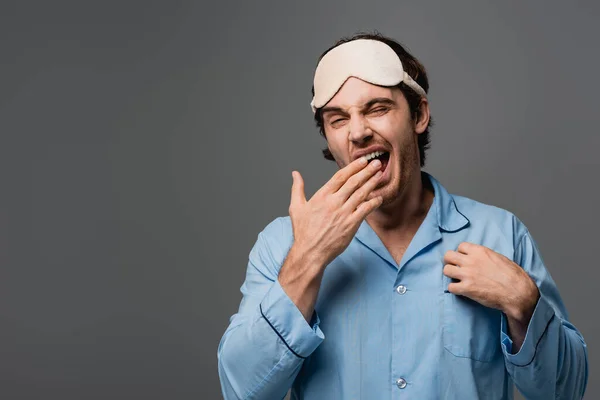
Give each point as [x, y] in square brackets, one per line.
[469, 329]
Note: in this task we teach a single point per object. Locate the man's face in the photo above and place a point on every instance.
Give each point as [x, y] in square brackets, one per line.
[362, 118]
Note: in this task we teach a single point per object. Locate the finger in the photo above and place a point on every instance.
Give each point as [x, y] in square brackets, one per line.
[366, 208]
[356, 181]
[453, 271]
[341, 176]
[362, 193]
[456, 288]
[454, 257]
[466, 247]
[298, 197]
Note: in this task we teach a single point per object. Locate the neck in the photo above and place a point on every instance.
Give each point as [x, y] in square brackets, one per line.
[408, 208]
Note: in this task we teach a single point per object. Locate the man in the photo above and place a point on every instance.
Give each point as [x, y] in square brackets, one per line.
[383, 285]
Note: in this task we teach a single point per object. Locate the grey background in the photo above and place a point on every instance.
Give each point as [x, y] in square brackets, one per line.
[145, 144]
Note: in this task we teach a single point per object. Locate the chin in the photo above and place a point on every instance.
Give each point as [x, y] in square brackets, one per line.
[389, 192]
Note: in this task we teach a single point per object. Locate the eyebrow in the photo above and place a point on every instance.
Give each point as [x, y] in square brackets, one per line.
[367, 105]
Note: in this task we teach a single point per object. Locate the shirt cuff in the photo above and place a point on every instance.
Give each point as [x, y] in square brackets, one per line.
[288, 322]
[542, 314]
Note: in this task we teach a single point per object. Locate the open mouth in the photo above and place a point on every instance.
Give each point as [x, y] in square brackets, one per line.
[382, 156]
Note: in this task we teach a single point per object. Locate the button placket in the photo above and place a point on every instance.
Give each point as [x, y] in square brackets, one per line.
[400, 382]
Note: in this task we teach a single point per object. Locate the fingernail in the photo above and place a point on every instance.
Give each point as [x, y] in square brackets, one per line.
[363, 160]
[376, 163]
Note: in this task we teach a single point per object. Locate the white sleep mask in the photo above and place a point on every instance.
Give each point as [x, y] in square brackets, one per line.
[369, 60]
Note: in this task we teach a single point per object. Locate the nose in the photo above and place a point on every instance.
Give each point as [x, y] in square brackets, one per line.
[359, 130]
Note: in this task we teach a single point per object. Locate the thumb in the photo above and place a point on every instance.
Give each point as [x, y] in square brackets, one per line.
[298, 196]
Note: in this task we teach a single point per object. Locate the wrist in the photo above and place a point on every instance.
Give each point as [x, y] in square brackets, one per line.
[300, 278]
[521, 310]
[307, 256]
[301, 269]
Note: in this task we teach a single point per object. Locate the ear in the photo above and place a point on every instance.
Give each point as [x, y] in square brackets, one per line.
[423, 116]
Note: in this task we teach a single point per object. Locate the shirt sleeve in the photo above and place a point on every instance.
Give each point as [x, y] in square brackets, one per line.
[552, 362]
[267, 340]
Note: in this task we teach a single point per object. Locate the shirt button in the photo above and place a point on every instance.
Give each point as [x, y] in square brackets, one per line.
[401, 289]
[401, 383]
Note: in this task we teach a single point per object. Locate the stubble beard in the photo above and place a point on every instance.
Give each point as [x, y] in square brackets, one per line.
[397, 186]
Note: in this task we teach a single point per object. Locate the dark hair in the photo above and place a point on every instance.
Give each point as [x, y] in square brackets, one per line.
[412, 66]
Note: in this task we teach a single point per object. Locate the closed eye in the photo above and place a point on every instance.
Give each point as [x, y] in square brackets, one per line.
[336, 121]
[378, 110]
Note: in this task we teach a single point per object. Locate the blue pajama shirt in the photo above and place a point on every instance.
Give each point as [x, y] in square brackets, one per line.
[383, 330]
